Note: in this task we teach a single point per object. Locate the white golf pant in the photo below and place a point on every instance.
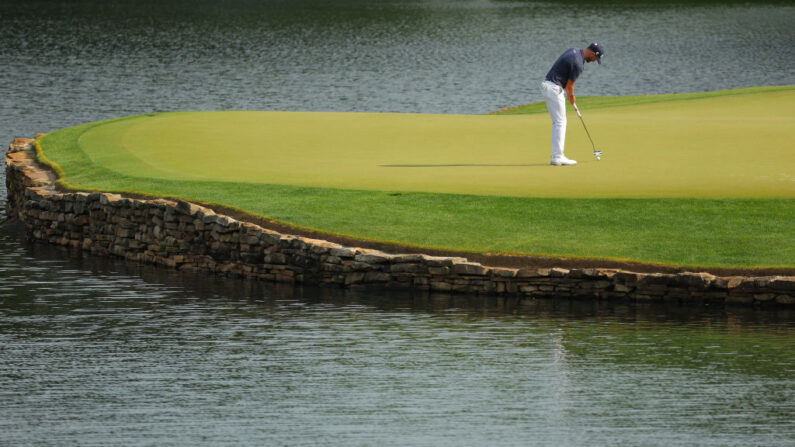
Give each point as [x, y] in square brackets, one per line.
[555, 97]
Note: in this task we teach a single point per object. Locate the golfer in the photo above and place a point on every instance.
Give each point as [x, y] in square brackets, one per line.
[558, 84]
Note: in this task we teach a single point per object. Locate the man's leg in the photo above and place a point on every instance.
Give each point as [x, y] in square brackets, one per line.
[556, 105]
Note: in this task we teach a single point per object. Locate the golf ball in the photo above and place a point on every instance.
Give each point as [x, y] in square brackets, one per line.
[598, 158]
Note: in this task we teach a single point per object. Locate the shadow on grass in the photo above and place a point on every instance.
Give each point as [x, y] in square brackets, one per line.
[467, 165]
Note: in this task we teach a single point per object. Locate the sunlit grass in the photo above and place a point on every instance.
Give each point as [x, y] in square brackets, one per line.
[748, 232]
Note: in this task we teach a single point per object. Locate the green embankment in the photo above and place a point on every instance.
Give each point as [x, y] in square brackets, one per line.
[702, 179]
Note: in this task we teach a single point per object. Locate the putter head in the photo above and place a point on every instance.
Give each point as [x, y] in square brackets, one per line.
[597, 153]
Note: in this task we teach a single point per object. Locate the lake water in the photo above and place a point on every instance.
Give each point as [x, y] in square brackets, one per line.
[97, 352]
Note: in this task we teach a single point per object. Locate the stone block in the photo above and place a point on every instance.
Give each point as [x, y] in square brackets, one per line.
[764, 281]
[362, 266]
[210, 219]
[39, 192]
[343, 252]
[107, 198]
[320, 248]
[785, 299]
[439, 271]
[408, 259]
[79, 207]
[532, 273]
[602, 284]
[628, 278]
[441, 261]
[125, 223]
[123, 233]
[249, 239]
[205, 213]
[470, 268]
[332, 267]
[376, 277]
[331, 259]
[354, 278]
[501, 272]
[250, 228]
[270, 238]
[374, 258]
[188, 208]
[623, 288]
[220, 229]
[21, 144]
[584, 273]
[408, 268]
[36, 177]
[727, 282]
[697, 281]
[750, 284]
[656, 279]
[786, 283]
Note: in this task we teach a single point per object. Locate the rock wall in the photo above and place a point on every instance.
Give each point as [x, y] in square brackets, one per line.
[185, 236]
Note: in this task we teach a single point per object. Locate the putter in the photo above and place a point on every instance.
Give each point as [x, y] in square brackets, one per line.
[597, 154]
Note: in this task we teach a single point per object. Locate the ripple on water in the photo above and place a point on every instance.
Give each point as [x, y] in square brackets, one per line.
[128, 352]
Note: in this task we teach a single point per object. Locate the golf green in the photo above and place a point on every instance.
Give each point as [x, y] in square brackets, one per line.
[722, 146]
[727, 147]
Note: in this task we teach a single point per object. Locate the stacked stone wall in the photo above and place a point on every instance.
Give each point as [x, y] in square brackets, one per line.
[186, 236]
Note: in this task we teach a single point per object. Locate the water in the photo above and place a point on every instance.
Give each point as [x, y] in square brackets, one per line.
[96, 352]
[100, 352]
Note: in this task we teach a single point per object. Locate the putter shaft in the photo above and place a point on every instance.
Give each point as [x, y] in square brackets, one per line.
[593, 146]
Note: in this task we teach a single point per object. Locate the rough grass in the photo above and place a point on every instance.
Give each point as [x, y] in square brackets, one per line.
[751, 232]
[600, 102]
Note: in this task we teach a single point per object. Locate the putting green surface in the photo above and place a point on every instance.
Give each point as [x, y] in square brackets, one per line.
[695, 180]
[721, 147]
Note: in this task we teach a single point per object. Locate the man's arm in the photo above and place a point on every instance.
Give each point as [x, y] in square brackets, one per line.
[570, 91]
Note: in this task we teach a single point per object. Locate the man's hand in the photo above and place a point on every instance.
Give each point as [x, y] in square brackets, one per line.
[570, 92]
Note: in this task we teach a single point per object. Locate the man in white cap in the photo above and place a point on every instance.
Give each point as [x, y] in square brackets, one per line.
[558, 84]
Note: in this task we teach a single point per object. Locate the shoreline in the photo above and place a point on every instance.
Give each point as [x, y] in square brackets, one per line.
[491, 259]
[189, 236]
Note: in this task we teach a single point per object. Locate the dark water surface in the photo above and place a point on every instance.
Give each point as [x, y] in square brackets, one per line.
[98, 352]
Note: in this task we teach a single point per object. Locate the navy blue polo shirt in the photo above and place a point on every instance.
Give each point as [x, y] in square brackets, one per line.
[568, 67]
